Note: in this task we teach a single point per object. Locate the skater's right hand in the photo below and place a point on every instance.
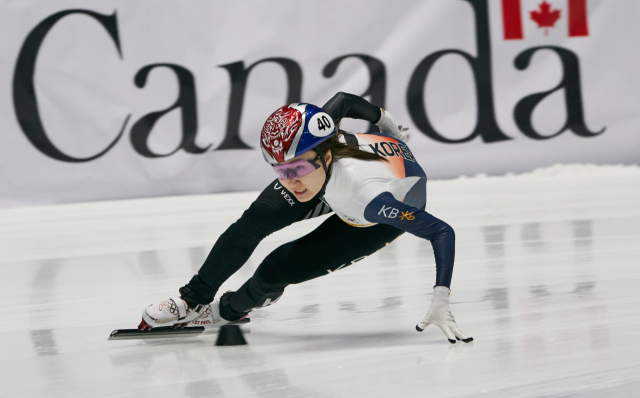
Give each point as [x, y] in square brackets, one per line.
[440, 315]
[389, 127]
[171, 312]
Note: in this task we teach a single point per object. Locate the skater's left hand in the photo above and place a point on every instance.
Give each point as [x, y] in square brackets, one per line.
[440, 315]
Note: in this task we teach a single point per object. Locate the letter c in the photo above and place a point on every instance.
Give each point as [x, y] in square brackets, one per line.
[24, 95]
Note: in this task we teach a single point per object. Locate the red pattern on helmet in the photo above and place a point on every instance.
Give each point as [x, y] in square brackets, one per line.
[279, 131]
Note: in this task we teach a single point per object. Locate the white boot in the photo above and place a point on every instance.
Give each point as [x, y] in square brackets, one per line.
[210, 317]
[174, 311]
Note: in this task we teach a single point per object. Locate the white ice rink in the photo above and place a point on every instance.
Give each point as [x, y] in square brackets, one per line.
[547, 281]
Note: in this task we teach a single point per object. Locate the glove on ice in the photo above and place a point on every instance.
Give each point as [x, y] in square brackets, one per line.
[440, 315]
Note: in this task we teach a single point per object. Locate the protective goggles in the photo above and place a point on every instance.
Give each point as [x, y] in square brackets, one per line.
[297, 169]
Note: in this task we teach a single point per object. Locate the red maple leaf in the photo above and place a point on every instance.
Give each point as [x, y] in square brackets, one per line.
[545, 18]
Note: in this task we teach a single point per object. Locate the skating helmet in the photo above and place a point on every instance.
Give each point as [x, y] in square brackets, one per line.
[293, 130]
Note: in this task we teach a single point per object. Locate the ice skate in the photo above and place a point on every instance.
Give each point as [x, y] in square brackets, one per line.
[175, 318]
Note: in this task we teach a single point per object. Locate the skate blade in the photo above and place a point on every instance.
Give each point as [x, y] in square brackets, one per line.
[165, 332]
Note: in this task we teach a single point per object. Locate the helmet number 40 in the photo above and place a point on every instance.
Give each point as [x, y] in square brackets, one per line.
[321, 125]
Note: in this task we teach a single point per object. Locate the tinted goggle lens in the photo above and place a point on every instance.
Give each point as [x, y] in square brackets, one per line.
[297, 169]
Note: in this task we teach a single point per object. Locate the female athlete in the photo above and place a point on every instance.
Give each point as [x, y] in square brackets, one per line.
[371, 181]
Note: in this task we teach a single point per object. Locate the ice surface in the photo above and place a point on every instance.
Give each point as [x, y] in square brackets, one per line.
[547, 281]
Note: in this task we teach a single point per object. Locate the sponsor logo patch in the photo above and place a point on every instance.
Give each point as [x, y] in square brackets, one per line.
[284, 194]
[350, 219]
[392, 212]
[407, 216]
[346, 265]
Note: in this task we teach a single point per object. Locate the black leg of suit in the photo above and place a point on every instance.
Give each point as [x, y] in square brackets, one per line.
[333, 245]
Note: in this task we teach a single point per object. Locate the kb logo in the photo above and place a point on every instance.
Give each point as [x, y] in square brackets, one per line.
[393, 213]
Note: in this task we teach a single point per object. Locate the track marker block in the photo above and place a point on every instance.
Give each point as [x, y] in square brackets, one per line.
[230, 335]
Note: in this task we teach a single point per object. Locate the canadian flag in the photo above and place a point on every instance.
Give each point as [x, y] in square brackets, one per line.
[545, 16]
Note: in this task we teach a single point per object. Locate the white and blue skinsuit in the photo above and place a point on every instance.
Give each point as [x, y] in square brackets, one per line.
[374, 203]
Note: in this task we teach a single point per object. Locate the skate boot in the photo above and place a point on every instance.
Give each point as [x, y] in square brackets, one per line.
[211, 317]
[176, 312]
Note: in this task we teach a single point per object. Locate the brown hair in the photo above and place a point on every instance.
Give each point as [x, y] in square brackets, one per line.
[340, 150]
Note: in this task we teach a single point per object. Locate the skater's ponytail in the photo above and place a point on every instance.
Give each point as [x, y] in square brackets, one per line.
[344, 150]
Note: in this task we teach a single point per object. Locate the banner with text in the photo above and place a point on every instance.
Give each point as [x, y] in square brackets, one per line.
[119, 99]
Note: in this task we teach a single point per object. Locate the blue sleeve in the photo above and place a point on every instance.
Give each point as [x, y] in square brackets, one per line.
[385, 209]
